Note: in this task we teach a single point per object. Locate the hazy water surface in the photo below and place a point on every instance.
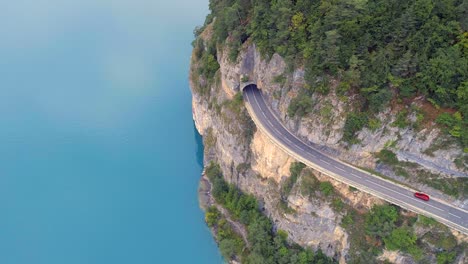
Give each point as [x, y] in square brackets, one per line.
[99, 160]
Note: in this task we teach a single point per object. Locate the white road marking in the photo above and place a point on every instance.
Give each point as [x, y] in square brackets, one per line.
[340, 169]
[279, 133]
[454, 215]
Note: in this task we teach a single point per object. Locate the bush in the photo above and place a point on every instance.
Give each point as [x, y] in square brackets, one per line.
[212, 216]
[354, 123]
[326, 188]
[446, 257]
[401, 119]
[347, 220]
[388, 157]
[300, 105]
[337, 204]
[426, 221]
[229, 247]
[280, 79]
[380, 221]
[455, 126]
[403, 239]
[266, 246]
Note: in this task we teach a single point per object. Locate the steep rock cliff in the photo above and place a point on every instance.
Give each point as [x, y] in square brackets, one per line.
[249, 160]
[424, 148]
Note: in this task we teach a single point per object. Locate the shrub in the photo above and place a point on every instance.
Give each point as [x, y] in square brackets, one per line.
[326, 188]
[337, 204]
[347, 220]
[380, 221]
[280, 79]
[446, 257]
[212, 216]
[354, 123]
[300, 105]
[401, 119]
[265, 244]
[388, 157]
[403, 239]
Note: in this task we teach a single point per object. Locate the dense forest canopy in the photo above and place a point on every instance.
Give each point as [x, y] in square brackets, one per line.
[378, 49]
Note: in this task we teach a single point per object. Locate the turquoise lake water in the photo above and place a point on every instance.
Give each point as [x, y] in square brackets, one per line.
[99, 158]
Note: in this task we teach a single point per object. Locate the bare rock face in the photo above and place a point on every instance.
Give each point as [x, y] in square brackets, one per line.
[324, 124]
[268, 160]
[396, 257]
[258, 167]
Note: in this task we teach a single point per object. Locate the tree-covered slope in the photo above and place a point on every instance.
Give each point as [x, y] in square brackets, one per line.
[380, 50]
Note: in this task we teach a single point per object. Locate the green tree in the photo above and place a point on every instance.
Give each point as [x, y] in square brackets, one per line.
[380, 221]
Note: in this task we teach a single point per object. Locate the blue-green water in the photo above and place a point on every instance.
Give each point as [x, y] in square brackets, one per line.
[99, 159]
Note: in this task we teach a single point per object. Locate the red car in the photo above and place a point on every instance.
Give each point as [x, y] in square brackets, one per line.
[421, 196]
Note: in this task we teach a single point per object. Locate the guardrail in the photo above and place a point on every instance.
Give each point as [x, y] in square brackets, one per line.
[347, 181]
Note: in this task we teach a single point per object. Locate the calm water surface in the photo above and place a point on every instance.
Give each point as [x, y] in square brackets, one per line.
[99, 159]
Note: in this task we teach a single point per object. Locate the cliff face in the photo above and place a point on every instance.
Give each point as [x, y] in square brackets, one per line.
[257, 166]
[425, 148]
[249, 160]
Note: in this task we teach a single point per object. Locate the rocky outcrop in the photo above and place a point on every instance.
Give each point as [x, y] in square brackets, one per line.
[257, 166]
[323, 126]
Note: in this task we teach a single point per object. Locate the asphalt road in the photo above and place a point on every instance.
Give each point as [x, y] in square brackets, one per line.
[443, 212]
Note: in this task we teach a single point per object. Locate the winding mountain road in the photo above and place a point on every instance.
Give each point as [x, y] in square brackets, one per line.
[402, 196]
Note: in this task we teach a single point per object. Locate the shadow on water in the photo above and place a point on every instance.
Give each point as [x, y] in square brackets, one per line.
[199, 142]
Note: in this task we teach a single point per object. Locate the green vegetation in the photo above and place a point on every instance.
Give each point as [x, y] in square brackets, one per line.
[455, 125]
[403, 239]
[266, 246]
[381, 221]
[280, 79]
[378, 50]
[399, 167]
[326, 188]
[208, 59]
[295, 170]
[446, 257]
[387, 156]
[386, 227]
[300, 105]
[231, 244]
[236, 103]
[354, 123]
[456, 187]
[426, 221]
[401, 119]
